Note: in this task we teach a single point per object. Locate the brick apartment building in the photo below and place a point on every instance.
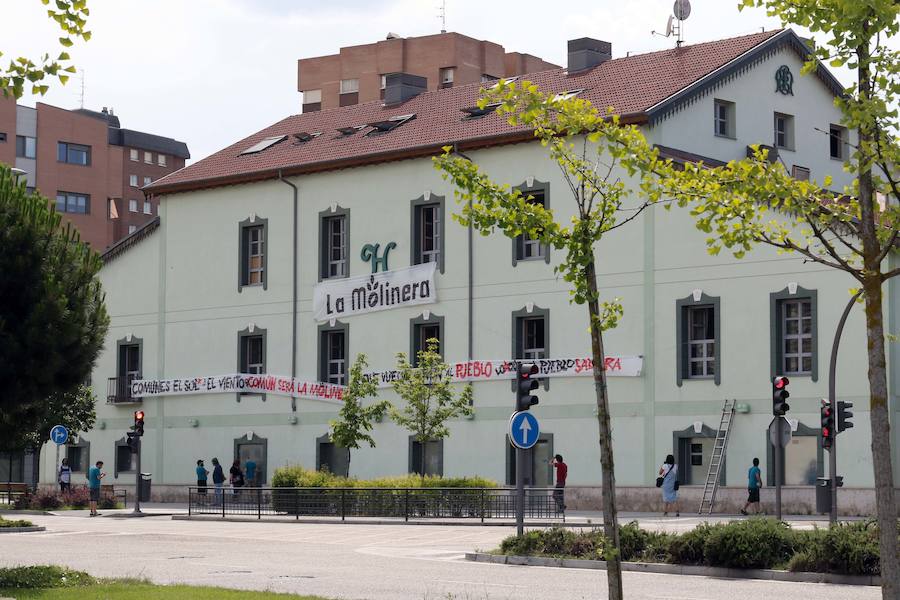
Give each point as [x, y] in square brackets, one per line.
[90, 166]
[359, 73]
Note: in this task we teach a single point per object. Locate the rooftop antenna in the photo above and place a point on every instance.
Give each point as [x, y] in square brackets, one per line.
[442, 15]
[675, 24]
[81, 95]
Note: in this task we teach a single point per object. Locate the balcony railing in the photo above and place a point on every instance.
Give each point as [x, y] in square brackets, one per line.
[118, 390]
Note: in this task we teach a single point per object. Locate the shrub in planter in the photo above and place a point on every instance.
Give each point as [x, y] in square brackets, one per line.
[752, 544]
[847, 548]
[44, 500]
[18, 523]
[77, 497]
[689, 547]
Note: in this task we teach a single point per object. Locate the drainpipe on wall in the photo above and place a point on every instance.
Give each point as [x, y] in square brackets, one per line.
[471, 248]
[294, 285]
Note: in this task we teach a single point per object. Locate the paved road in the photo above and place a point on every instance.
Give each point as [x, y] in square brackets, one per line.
[373, 562]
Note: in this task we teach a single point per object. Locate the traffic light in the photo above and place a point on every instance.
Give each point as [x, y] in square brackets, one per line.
[844, 415]
[133, 441]
[524, 386]
[138, 423]
[780, 394]
[826, 415]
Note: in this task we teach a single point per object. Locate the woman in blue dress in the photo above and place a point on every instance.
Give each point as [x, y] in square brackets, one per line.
[669, 472]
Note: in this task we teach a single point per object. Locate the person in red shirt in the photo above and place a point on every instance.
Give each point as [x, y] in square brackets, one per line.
[562, 470]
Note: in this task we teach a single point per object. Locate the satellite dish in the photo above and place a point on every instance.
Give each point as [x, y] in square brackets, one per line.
[669, 26]
[682, 9]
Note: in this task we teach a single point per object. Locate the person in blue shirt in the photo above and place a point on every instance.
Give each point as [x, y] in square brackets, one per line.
[250, 470]
[202, 473]
[94, 476]
[754, 482]
[218, 478]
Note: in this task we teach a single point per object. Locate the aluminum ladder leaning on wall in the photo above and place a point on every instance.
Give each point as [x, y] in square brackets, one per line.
[717, 458]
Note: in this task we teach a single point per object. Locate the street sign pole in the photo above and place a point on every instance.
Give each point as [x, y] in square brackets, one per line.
[520, 492]
[780, 437]
[778, 475]
[137, 480]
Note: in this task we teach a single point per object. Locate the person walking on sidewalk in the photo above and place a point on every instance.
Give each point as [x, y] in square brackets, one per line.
[94, 476]
[668, 472]
[754, 482]
[202, 475]
[218, 479]
[562, 470]
[236, 476]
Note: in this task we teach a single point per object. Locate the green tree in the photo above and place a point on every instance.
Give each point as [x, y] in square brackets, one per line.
[52, 318]
[592, 152]
[355, 421]
[71, 17]
[856, 230]
[429, 398]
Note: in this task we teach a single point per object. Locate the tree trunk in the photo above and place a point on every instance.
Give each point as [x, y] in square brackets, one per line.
[610, 517]
[885, 508]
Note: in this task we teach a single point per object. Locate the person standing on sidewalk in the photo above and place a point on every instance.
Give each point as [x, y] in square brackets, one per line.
[754, 482]
[65, 476]
[562, 470]
[236, 476]
[218, 479]
[94, 476]
[250, 470]
[202, 474]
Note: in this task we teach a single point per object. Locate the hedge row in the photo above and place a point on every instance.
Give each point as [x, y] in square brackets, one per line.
[20, 523]
[42, 577]
[758, 543]
[297, 476]
[76, 497]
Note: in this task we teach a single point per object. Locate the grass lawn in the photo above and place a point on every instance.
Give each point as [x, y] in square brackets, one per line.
[143, 591]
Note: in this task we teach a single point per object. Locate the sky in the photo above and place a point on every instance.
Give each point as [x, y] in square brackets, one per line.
[211, 72]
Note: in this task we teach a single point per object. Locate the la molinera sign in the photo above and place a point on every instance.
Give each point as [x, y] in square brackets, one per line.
[371, 293]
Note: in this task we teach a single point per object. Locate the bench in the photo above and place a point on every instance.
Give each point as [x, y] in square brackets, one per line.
[110, 491]
[10, 491]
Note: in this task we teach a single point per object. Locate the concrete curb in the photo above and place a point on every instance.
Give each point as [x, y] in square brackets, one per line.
[5, 511]
[667, 569]
[363, 521]
[21, 529]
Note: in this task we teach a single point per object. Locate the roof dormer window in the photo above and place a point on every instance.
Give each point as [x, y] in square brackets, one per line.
[263, 144]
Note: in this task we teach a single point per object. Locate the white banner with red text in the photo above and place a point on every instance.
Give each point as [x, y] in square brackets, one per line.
[239, 383]
[490, 370]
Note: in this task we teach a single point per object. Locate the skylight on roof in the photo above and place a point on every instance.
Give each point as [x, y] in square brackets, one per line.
[389, 124]
[504, 81]
[263, 144]
[304, 136]
[473, 112]
[350, 130]
[566, 95]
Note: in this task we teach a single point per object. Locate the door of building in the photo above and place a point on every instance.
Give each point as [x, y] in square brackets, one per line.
[255, 450]
[538, 471]
[700, 451]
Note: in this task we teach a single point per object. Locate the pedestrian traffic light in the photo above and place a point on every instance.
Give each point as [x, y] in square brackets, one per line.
[139, 422]
[524, 385]
[780, 395]
[826, 415]
[844, 415]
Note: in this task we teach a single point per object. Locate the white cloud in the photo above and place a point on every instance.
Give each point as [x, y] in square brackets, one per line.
[209, 72]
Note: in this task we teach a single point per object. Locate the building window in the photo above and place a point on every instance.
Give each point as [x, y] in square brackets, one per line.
[784, 131]
[524, 246]
[312, 100]
[349, 86]
[148, 208]
[428, 231]
[696, 455]
[148, 158]
[253, 353]
[134, 155]
[128, 368]
[79, 455]
[531, 335]
[253, 240]
[147, 180]
[485, 78]
[331, 458]
[699, 342]
[430, 454]
[837, 141]
[723, 118]
[132, 229]
[334, 231]
[69, 202]
[2, 136]
[333, 353]
[133, 180]
[161, 160]
[446, 77]
[794, 330]
[132, 205]
[74, 154]
[421, 331]
[26, 147]
[800, 173]
[123, 457]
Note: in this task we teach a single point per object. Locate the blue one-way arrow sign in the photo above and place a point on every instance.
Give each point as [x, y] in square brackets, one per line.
[523, 430]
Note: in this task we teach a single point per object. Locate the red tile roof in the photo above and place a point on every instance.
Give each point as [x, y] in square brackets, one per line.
[632, 86]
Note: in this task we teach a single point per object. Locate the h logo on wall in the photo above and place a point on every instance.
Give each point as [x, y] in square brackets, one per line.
[378, 291]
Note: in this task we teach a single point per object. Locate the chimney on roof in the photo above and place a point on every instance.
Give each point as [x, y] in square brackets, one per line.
[587, 53]
[104, 111]
[392, 36]
[400, 87]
